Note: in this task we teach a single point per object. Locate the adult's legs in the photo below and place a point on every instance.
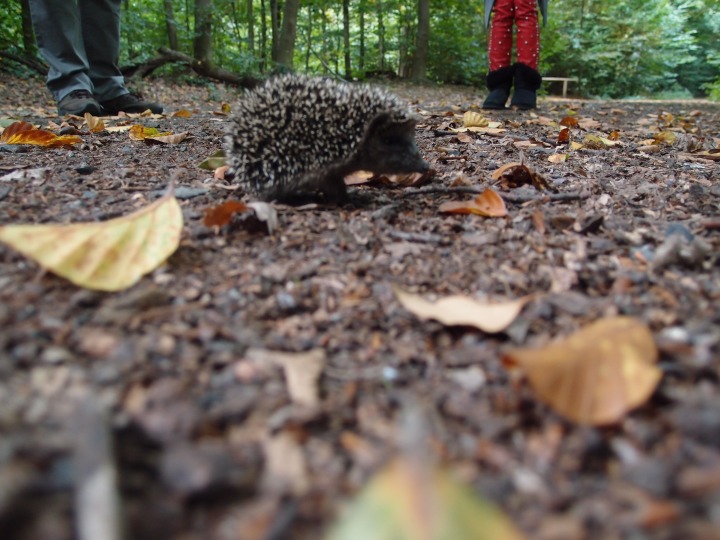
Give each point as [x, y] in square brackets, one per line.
[59, 36]
[100, 23]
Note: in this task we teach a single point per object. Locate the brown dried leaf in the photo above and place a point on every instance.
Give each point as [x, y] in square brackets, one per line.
[25, 133]
[221, 215]
[487, 204]
[596, 375]
[460, 310]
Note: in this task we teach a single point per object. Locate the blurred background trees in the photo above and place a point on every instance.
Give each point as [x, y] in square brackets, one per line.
[661, 48]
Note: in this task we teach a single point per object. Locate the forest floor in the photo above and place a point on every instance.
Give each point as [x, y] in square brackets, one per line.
[209, 442]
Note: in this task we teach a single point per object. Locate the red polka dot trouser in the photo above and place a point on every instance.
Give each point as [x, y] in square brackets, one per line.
[525, 16]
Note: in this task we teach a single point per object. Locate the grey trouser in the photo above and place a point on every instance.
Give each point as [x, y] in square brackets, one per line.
[80, 39]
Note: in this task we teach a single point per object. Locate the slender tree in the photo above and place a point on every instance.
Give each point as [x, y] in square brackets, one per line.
[422, 41]
[28, 37]
[346, 37]
[286, 43]
[202, 43]
[171, 25]
[251, 27]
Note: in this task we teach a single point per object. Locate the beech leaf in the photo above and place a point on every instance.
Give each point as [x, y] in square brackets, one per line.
[596, 375]
[487, 204]
[110, 255]
[405, 501]
[460, 310]
[25, 133]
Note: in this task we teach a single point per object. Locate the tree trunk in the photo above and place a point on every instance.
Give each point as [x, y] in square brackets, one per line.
[346, 38]
[361, 60]
[422, 41]
[381, 37]
[286, 45]
[171, 25]
[263, 37]
[251, 27]
[28, 37]
[202, 43]
[274, 29]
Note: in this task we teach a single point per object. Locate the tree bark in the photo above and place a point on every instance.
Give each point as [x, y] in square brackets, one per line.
[422, 41]
[171, 25]
[361, 60]
[251, 27]
[274, 29]
[381, 37]
[263, 37]
[202, 43]
[28, 37]
[346, 38]
[286, 45]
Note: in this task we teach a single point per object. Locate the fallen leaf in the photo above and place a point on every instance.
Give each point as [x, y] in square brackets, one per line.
[665, 137]
[110, 255]
[487, 204]
[182, 113]
[25, 133]
[166, 139]
[563, 136]
[94, 123]
[474, 119]
[214, 161]
[138, 132]
[285, 469]
[557, 158]
[406, 501]
[569, 121]
[513, 175]
[220, 172]
[596, 375]
[221, 214]
[460, 310]
[302, 373]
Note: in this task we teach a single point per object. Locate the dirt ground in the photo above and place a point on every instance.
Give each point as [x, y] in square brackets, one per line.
[204, 429]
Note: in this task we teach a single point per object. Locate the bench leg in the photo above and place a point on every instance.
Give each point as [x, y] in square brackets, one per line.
[565, 89]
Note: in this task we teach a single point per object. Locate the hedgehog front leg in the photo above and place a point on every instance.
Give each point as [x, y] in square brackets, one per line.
[326, 186]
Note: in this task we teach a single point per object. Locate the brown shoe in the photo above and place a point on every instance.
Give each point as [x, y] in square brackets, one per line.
[129, 103]
[79, 102]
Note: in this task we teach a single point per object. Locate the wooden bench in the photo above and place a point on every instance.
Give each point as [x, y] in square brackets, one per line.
[565, 81]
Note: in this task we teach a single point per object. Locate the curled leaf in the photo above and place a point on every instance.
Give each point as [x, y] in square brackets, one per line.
[596, 375]
[110, 255]
[459, 310]
[487, 204]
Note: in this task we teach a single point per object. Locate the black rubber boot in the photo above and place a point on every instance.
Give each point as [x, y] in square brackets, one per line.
[527, 82]
[499, 83]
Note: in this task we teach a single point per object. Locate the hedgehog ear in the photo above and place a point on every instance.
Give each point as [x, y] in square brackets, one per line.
[385, 120]
[380, 121]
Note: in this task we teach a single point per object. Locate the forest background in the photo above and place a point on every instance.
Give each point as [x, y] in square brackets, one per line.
[617, 49]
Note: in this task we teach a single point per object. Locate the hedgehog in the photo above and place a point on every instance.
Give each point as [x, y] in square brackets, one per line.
[295, 138]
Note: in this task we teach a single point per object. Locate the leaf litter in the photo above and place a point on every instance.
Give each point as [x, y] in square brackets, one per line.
[199, 428]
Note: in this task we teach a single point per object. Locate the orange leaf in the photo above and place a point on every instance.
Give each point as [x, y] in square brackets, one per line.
[220, 215]
[569, 121]
[596, 375]
[182, 113]
[26, 133]
[487, 204]
[563, 136]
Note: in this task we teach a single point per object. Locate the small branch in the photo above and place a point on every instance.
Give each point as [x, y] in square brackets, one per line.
[424, 238]
[570, 196]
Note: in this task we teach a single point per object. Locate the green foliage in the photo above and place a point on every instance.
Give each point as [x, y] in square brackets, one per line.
[617, 49]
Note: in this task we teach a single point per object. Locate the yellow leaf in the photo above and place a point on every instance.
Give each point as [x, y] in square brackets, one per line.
[94, 124]
[596, 375]
[474, 119]
[182, 113]
[460, 310]
[138, 132]
[406, 501]
[110, 255]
